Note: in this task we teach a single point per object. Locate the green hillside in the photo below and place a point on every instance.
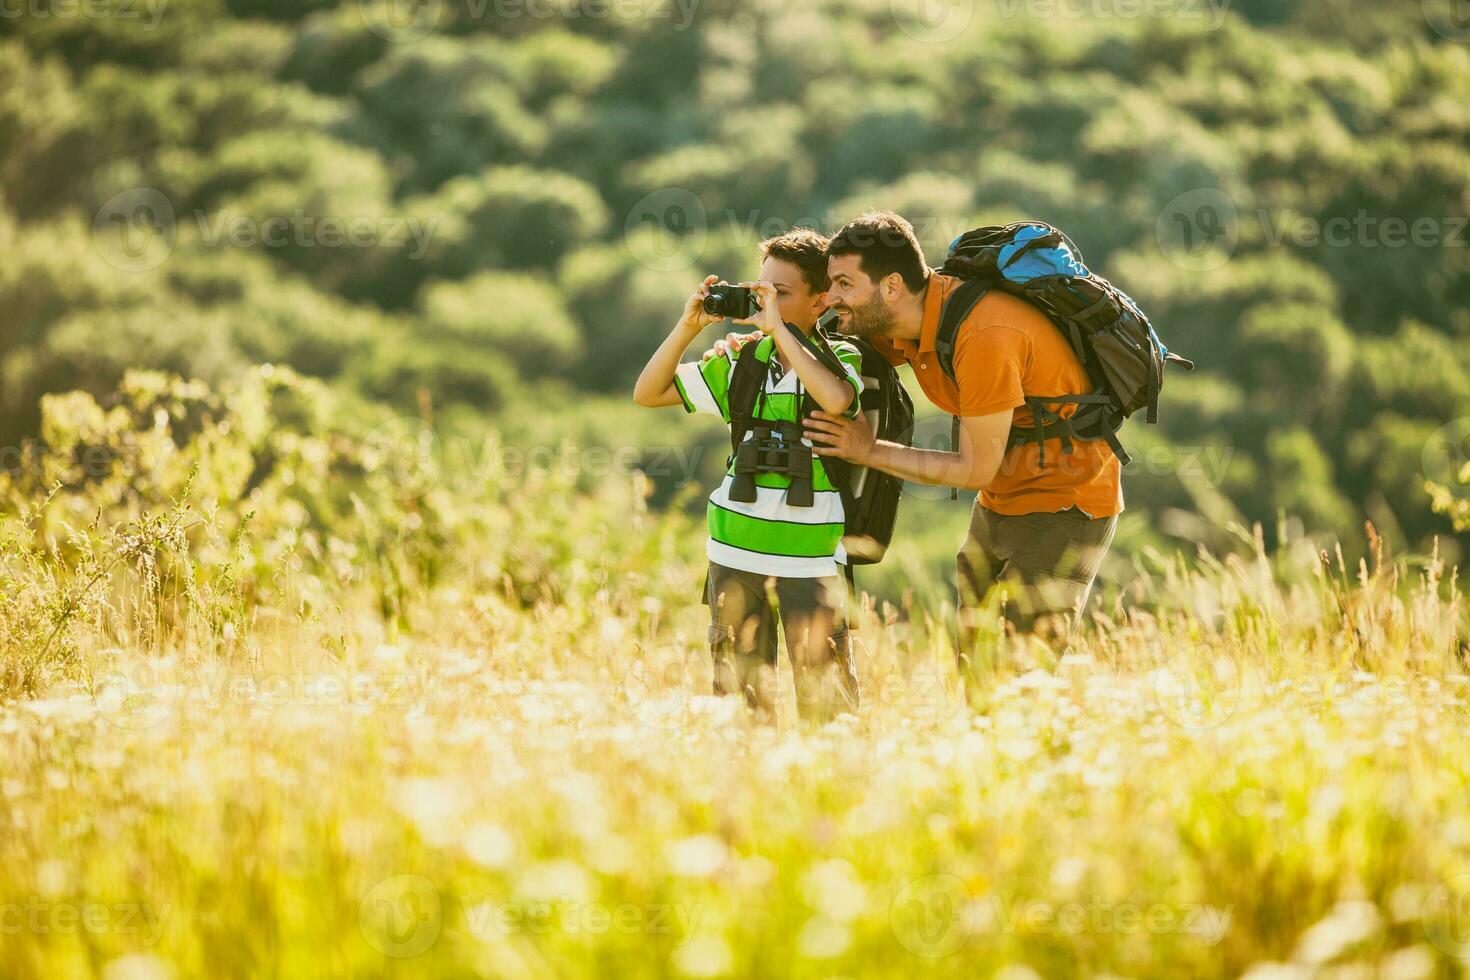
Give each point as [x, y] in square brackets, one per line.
[485, 209]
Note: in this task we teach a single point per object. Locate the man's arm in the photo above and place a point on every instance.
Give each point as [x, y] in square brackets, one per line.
[973, 467]
[655, 387]
[989, 363]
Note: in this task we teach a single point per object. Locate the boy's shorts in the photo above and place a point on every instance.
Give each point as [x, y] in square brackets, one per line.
[742, 637]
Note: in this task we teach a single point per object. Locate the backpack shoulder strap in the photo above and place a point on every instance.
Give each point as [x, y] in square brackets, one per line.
[821, 347]
[746, 379]
[836, 468]
[956, 307]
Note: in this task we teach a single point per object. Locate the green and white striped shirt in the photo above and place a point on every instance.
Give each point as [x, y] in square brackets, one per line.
[770, 537]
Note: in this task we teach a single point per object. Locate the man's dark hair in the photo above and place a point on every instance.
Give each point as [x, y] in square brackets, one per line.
[884, 244]
[804, 248]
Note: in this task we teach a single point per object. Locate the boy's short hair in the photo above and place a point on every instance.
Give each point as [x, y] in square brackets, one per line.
[804, 248]
[884, 243]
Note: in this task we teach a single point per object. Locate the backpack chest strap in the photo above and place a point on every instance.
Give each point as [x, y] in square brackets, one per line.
[1093, 420]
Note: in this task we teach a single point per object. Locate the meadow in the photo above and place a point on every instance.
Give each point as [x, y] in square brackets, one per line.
[348, 610]
[284, 696]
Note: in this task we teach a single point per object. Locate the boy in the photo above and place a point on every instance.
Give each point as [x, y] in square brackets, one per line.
[772, 536]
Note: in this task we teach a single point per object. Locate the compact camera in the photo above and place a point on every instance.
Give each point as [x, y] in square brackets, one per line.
[735, 302]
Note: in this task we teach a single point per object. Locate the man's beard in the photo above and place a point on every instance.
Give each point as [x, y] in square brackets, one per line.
[872, 319]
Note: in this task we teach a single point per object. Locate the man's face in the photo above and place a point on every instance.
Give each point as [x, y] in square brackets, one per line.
[861, 310]
[799, 306]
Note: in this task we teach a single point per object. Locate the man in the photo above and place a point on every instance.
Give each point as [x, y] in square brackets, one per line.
[1038, 532]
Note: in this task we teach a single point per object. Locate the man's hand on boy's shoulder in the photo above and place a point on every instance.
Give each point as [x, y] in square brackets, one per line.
[732, 343]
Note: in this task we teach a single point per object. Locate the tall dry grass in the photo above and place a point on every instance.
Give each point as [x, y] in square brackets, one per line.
[278, 704]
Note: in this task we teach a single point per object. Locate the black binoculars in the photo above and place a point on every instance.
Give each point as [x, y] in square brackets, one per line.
[774, 449]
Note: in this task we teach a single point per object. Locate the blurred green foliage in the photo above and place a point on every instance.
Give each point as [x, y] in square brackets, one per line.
[494, 214]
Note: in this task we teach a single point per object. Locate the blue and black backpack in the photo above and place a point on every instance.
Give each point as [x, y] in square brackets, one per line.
[1122, 354]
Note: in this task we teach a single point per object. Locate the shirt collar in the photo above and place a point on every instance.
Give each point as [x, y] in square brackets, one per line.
[933, 309]
[928, 325]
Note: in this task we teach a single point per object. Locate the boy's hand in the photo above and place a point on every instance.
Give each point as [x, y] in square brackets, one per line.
[694, 318]
[768, 317]
[732, 342]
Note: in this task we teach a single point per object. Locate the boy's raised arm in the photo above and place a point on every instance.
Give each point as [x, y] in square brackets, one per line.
[655, 387]
[834, 394]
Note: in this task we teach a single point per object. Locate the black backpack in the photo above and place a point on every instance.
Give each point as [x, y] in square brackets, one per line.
[1120, 351]
[869, 496]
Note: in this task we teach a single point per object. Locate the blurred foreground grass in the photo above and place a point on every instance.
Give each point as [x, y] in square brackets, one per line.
[287, 696]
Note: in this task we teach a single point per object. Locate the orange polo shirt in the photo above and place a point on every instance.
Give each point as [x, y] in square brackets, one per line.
[1004, 350]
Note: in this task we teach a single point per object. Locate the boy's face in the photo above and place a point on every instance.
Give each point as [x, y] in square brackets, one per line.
[798, 305]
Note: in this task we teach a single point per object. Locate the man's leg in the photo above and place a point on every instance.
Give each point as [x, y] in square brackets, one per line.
[814, 619]
[978, 569]
[1047, 563]
[742, 636]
